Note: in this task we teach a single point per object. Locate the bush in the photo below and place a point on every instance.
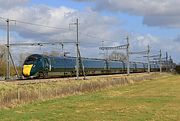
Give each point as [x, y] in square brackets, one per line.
[177, 69]
[3, 69]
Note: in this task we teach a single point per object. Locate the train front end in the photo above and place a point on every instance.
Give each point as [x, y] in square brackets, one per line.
[32, 65]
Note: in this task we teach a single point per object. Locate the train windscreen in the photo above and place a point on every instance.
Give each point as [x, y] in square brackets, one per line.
[31, 59]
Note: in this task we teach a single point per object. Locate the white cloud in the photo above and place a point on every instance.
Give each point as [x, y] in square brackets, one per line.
[93, 27]
[7, 4]
[164, 13]
[177, 39]
[146, 40]
[92, 23]
[37, 14]
[166, 45]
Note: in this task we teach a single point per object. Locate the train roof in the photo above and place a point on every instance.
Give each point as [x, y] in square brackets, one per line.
[42, 55]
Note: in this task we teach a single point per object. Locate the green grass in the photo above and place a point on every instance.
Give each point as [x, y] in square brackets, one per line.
[153, 100]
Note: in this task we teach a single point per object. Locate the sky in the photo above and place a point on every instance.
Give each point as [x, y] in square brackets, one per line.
[155, 23]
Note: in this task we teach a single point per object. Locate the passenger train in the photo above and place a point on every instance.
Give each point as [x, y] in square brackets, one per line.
[42, 66]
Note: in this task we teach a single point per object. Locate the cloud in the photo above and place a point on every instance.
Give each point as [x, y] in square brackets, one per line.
[165, 44]
[7, 4]
[164, 13]
[145, 40]
[162, 21]
[94, 28]
[91, 23]
[177, 39]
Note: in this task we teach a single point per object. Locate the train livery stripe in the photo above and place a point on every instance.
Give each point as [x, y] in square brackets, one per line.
[27, 70]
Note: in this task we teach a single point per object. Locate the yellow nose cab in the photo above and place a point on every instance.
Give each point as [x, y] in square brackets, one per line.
[27, 69]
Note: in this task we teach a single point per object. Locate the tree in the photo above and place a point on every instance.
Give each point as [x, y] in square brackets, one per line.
[22, 58]
[2, 51]
[2, 60]
[3, 63]
[52, 53]
[117, 56]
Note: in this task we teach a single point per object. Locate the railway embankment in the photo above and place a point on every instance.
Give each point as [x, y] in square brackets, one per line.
[22, 92]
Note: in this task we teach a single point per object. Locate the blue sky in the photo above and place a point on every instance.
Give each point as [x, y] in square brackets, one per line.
[156, 25]
[57, 3]
[130, 22]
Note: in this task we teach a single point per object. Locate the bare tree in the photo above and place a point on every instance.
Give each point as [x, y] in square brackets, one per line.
[117, 56]
[54, 53]
[46, 53]
[22, 58]
[2, 60]
[2, 51]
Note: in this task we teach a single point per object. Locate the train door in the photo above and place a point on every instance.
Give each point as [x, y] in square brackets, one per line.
[46, 65]
[45, 69]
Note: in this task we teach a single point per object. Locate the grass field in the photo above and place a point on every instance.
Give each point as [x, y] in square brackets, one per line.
[153, 100]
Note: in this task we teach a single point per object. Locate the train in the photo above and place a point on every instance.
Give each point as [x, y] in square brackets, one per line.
[43, 66]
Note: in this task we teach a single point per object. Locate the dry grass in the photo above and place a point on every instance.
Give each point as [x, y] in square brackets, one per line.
[13, 94]
[154, 99]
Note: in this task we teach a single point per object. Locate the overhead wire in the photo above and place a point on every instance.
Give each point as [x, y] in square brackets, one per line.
[52, 27]
[36, 24]
[41, 25]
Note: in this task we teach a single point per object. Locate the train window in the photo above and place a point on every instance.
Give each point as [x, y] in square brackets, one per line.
[31, 59]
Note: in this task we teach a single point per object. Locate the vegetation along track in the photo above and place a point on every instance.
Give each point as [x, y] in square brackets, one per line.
[22, 92]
